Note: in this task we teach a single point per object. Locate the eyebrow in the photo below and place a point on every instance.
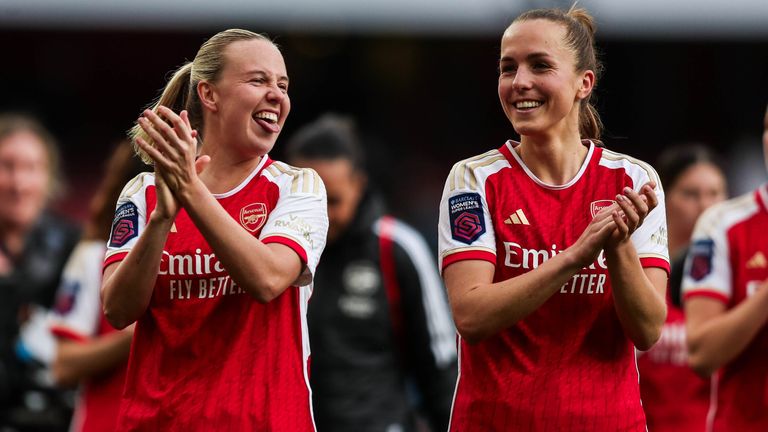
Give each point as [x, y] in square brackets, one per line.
[263, 72]
[532, 56]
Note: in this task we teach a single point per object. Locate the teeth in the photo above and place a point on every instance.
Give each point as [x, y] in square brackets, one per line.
[265, 115]
[527, 104]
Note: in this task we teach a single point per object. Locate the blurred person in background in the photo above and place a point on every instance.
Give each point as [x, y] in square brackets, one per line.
[725, 293]
[213, 255]
[90, 352]
[553, 249]
[675, 398]
[379, 324]
[34, 245]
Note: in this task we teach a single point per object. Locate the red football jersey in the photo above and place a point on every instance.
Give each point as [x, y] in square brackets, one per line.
[727, 261]
[206, 355]
[568, 366]
[675, 398]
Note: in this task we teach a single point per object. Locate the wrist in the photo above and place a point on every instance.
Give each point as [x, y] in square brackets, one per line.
[192, 193]
[161, 220]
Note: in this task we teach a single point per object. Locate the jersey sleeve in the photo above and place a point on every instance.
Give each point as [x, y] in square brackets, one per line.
[465, 228]
[707, 271]
[650, 239]
[130, 218]
[300, 219]
[77, 309]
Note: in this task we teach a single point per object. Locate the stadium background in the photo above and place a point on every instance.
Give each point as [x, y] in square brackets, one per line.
[419, 76]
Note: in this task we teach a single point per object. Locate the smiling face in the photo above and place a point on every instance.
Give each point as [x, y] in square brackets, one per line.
[250, 97]
[539, 86]
[24, 179]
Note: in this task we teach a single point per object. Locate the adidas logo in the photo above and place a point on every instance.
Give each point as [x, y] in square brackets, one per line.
[517, 218]
[757, 261]
[173, 227]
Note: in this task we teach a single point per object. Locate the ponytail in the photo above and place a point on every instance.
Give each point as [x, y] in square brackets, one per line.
[175, 96]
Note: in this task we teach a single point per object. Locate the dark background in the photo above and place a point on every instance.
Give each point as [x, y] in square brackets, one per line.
[423, 102]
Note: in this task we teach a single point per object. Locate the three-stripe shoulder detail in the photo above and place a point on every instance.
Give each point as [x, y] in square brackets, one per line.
[645, 166]
[462, 174]
[302, 180]
[137, 183]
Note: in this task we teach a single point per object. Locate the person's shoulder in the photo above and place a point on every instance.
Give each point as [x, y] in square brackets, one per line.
[466, 172]
[138, 183]
[724, 215]
[632, 165]
[295, 179]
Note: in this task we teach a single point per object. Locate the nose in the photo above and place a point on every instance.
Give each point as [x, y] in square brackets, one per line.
[275, 94]
[523, 79]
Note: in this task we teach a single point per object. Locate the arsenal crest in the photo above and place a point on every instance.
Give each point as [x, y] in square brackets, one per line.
[598, 205]
[253, 216]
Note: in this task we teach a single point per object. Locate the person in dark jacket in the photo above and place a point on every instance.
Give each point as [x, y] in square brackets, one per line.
[383, 344]
[34, 245]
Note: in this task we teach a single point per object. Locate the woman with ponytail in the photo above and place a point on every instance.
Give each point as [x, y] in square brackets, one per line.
[553, 249]
[213, 254]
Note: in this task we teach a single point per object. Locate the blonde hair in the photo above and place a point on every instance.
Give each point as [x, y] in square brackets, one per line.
[580, 37]
[13, 123]
[180, 93]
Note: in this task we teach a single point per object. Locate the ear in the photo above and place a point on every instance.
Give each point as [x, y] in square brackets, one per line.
[208, 96]
[586, 85]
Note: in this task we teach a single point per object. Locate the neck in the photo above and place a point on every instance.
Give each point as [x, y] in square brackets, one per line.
[225, 170]
[553, 160]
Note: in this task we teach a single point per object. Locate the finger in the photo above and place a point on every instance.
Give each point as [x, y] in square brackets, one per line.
[168, 132]
[158, 140]
[621, 226]
[180, 122]
[650, 194]
[156, 156]
[631, 214]
[639, 203]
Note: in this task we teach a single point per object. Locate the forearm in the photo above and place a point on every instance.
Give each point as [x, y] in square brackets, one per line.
[485, 309]
[127, 290]
[76, 361]
[639, 304]
[715, 341]
[251, 264]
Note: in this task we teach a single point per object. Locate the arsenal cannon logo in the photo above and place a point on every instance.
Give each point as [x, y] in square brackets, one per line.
[253, 216]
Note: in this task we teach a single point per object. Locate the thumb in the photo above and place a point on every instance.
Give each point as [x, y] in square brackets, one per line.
[201, 163]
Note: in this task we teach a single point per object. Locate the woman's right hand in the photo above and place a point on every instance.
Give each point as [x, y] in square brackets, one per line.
[588, 246]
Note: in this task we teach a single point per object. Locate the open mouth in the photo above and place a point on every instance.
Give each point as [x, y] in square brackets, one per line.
[266, 116]
[527, 105]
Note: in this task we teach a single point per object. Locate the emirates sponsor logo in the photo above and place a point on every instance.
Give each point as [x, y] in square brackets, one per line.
[190, 264]
[596, 206]
[519, 256]
[253, 216]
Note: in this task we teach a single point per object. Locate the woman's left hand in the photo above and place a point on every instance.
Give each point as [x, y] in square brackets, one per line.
[634, 207]
[174, 148]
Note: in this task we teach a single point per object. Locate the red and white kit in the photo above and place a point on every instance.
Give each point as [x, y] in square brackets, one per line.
[77, 315]
[568, 365]
[728, 261]
[206, 355]
[675, 398]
